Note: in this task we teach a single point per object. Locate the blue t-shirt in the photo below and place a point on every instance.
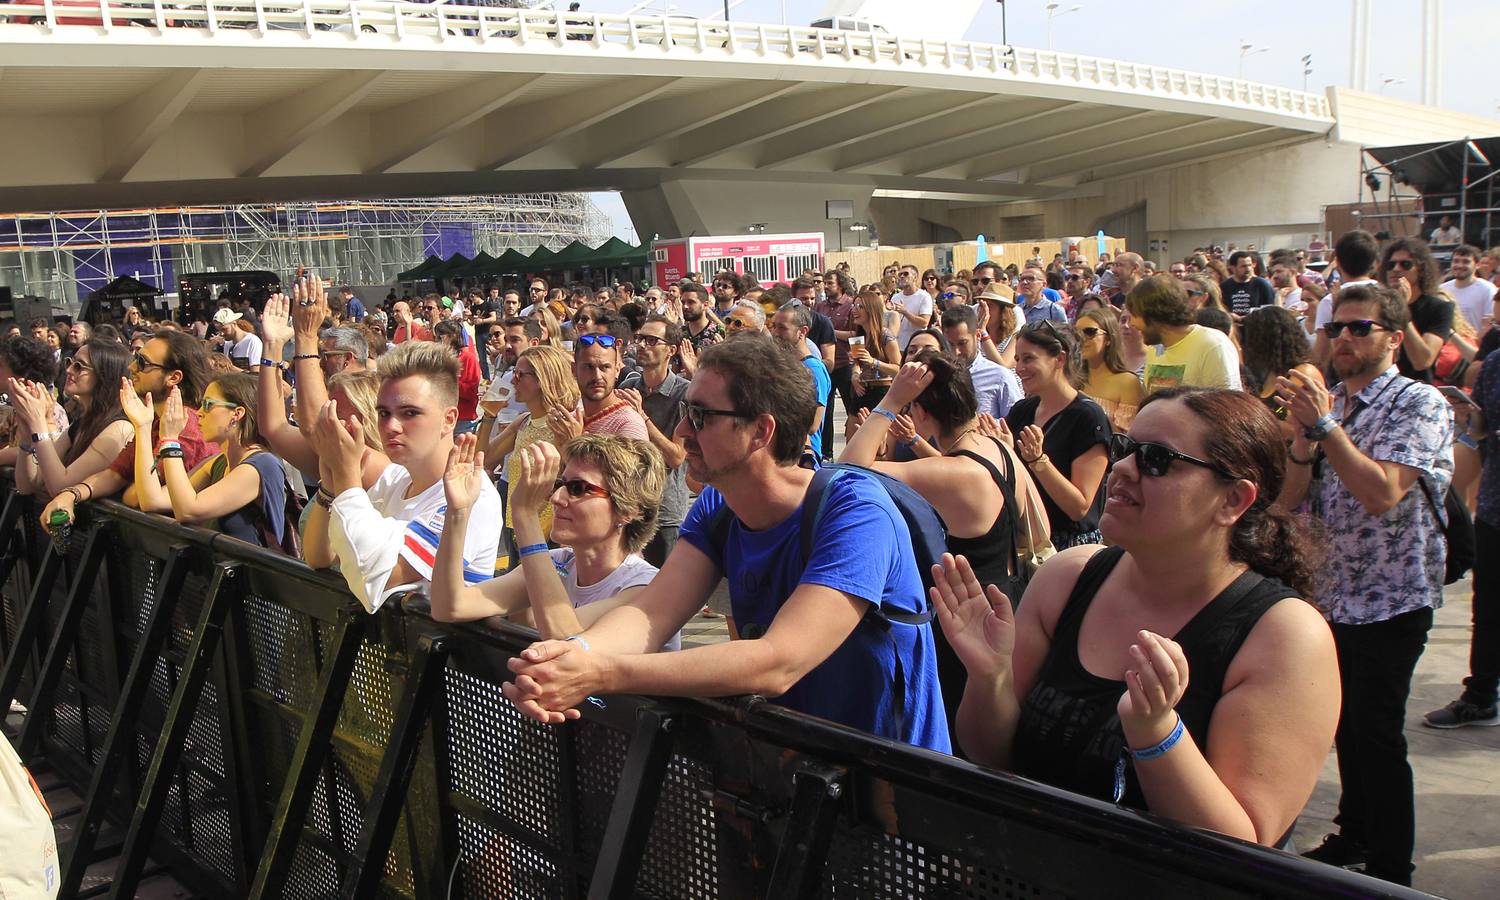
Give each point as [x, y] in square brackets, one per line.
[863, 549]
[822, 388]
[269, 509]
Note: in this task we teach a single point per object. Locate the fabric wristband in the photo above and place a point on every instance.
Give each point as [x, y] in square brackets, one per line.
[169, 453]
[1166, 744]
[162, 445]
[578, 639]
[531, 550]
[884, 412]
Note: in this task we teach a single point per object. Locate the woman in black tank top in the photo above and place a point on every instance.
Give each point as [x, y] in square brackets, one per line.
[969, 479]
[1174, 672]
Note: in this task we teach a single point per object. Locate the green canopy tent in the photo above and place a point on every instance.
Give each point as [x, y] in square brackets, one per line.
[616, 254]
[541, 257]
[511, 262]
[479, 265]
[574, 256]
[447, 267]
[421, 270]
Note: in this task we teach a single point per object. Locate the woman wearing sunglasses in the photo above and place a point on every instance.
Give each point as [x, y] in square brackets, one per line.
[1108, 379]
[95, 437]
[1177, 671]
[873, 351]
[1407, 267]
[243, 487]
[543, 380]
[604, 507]
[1060, 434]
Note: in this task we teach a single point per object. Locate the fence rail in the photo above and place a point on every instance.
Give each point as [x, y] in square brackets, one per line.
[236, 717]
[376, 23]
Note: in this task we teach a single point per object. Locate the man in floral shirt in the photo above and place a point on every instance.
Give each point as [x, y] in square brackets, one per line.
[1375, 458]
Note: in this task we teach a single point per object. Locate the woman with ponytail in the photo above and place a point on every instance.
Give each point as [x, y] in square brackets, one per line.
[1179, 670]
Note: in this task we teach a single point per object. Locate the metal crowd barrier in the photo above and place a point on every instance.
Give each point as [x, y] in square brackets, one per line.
[235, 717]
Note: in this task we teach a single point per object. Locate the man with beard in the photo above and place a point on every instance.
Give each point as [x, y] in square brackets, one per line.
[596, 365]
[1191, 355]
[701, 330]
[790, 326]
[825, 644]
[659, 401]
[1370, 456]
[1243, 290]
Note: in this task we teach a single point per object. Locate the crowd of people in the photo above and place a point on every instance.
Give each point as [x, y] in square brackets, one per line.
[1194, 522]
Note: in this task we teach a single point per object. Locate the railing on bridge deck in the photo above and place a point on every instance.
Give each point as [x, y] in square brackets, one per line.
[377, 22]
[237, 718]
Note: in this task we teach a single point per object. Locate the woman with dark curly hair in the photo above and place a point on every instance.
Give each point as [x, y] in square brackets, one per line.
[1407, 267]
[1179, 670]
[32, 360]
[1272, 344]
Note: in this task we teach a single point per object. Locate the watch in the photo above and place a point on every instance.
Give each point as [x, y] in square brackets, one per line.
[1322, 428]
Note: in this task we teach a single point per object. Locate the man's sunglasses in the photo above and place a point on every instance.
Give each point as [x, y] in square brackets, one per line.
[649, 340]
[142, 363]
[578, 488]
[603, 340]
[981, 280]
[1358, 328]
[697, 416]
[1155, 459]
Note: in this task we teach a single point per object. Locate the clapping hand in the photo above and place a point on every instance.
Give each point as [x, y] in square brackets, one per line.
[540, 464]
[1154, 684]
[462, 478]
[173, 417]
[566, 424]
[312, 306]
[989, 426]
[978, 622]
[33, 404]
[138, 410]
[903, 430]
[633, 397]
[1029, 444]
[689, 356]
[341, 445]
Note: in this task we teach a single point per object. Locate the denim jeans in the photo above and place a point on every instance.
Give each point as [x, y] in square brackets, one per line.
[1377, 807]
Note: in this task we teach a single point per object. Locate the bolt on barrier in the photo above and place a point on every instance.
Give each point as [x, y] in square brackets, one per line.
[231, 715]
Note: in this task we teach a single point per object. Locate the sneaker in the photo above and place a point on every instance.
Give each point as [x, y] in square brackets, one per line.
[1337, 850]
[1460, 713]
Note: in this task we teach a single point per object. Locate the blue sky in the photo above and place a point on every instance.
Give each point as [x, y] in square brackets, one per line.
[1206, 37]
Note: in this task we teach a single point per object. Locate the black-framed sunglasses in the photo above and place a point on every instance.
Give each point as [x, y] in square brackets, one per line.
[981, 280]
[697, 416]
[604, 340]
[1090, 332]
[577, 488]
[1358, 328]
[1405, 265]
[1156, 459]
[649, 340]
[141, 362]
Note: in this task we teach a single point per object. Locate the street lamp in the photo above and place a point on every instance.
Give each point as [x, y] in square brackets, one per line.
[1052, 13]
[1248, 49]
[1306, 70]
[859, 228]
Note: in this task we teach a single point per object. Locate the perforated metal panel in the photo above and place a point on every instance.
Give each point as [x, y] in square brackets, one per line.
[682, 854]
[484, 727]
[864, 864]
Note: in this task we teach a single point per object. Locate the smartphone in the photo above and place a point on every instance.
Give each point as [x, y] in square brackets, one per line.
[1453, 393]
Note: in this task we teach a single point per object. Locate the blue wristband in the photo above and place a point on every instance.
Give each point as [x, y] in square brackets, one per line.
[1167, 743]
[532, 549]
[884, 412]
[578, 639]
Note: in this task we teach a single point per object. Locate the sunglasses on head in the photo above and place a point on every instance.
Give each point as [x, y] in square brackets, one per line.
[1155, 459]
[953, 295]
[1358, 328]
[603, 340]
[577, 488]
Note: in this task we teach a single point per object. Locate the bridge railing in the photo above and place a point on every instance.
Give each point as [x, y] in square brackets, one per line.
[234, 716]
[376, 23]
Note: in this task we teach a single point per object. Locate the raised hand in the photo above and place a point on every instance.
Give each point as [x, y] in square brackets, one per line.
[540, 465]
[1154, 684]
[903, 430]
[173, 417]
[978, 622]
[908, 385]
[462, 479]
[311, 308]
[566, 424]
[1029, 444]
[340, 444]
[689, 356]
[989, 426]
[137, 409]
[633, 397]
[276, 324]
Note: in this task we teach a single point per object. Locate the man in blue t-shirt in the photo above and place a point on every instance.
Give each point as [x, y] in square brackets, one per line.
[822, 645]
[354, 308]
[790, 326]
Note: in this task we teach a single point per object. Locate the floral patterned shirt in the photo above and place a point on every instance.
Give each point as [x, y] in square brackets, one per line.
[1379, 567]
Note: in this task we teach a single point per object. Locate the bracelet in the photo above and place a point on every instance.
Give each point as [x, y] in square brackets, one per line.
[168, 442]
[90, 487]
[1299, 461]
[77, 497]
[1167, 743]
[532, 550]
[274, 364]
[884, 412]
[323, 497]
[297, 356]
[913, 442]
[170, 453]
[983, 336]
[1040, 458]
[578, 639]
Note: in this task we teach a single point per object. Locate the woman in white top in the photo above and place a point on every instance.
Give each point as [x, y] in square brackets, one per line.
[605, 506]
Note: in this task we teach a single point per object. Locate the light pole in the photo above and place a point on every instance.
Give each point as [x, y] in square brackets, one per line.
[1306, 70]
[859, 228]
[1052, 13]
[1248, 49]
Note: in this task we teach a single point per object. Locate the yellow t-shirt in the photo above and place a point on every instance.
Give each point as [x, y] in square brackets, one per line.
[1203, 358]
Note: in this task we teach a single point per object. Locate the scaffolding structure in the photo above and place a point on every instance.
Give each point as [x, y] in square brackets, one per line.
[63, 256]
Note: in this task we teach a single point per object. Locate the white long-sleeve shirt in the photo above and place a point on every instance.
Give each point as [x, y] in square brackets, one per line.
[372, 530]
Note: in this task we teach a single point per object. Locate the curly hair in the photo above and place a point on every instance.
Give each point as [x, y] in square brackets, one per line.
[634, 475]
[1428, 272]
[1272, 342]
[28, 358]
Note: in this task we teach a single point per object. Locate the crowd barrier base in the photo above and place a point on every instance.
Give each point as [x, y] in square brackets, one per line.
[237, 718]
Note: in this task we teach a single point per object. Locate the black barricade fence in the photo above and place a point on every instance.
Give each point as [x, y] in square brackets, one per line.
[237, 718]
